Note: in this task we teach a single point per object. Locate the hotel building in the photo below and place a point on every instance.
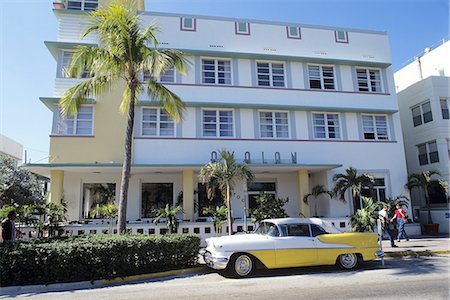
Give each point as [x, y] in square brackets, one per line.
[298, 103]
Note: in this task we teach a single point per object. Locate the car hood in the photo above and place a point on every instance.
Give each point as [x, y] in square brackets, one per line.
[235, 241]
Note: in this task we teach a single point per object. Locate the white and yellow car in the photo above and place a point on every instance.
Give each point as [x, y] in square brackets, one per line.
[289, 242]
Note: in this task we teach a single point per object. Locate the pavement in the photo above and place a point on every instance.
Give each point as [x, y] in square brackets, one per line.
[416, 246]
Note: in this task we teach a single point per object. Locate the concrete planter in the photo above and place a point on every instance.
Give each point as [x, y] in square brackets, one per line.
[58, 5]
[413, 229]
[431, 229]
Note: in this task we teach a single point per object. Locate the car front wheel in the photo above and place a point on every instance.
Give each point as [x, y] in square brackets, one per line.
[348, 261]
[242, 265]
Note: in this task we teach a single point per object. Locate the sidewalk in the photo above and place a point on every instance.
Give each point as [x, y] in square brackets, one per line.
[418, 245]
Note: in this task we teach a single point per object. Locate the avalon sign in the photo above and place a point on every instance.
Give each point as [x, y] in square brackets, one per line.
[263, 158]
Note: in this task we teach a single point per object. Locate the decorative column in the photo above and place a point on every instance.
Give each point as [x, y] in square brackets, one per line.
[303, 189]
[56, 186]
[188, 194]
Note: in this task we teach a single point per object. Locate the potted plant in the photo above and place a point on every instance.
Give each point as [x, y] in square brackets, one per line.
[423, 181]
[170, 215]
[219, 216]
[365, 218]
[59, 4]
[108, 210]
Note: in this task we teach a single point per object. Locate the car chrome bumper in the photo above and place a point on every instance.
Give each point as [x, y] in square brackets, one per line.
[218, 263]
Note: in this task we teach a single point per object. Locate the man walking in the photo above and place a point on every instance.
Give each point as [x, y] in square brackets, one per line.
[9, 227]
[383, 214]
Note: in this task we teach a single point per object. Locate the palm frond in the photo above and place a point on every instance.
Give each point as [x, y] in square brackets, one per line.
[173, 105]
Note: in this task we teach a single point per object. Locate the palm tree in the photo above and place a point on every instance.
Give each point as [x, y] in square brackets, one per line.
[316, 192]
[170, 214]
[351, 180]
[423, 180]
[222, 175]
[124, 51]
[365, 218]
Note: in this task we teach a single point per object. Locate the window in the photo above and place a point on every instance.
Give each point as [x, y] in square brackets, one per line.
[65, 65]
[242, 28]
[428, 153]
[155, 196]
[375, 127]
[267, 228]
[444, 109]
[321, 77]
[317, 230]
[295, 230]
[326, 126]
[270, 74]
[87, 5]
[217, 123]
[273, 124]
[216, 71]
[156, 122]
[258, 187]
[379, 189]
[341, 36]
[369, 80]
[293, 32]
[96, 195]
[78, 124]
[422, 114]
[167, 77]
[188, 24]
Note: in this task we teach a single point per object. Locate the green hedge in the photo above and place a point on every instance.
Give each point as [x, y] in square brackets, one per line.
[94, 257]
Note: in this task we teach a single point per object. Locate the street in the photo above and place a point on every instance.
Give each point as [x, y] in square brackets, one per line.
[408, 278]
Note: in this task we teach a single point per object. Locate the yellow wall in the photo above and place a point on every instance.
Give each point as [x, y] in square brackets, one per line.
[303, 189]
[106, 145]
[56, 187]
[188, 194]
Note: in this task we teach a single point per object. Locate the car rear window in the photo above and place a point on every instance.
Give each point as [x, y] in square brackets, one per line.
[317, 230]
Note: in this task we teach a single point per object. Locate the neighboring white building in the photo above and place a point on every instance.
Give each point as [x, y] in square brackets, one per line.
[299, 103]
[11, 148]
[423, 90]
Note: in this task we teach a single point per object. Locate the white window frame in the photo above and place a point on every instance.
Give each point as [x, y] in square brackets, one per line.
[64, 69]
[217, 123]
[297, 36]
[428, 152]
[158, 123]
[327, 131]
[83, 4]
[377, 188]
[61, 127]
[338, 40]
[216, 70]
[321, 77]
[422, 118]
[271, 74]
[184, 28]
[274, 124]
[369, 81]
[374, 126]
[444, 110]
[240, 32]
[146, 76]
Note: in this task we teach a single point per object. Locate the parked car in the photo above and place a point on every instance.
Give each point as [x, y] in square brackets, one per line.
[289, 242]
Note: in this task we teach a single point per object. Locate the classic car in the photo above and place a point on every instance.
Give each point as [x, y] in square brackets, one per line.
[289, 242]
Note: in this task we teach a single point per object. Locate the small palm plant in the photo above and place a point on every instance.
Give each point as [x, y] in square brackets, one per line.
[423, 181]
[170, 215]
[269, 207]
[353, 181]
[222, 175]
[365, 218]
[56, 214]
[109, 211]
[316, 192]
[219, 216]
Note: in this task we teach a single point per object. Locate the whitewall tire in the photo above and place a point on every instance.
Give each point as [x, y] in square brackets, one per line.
[348, 261]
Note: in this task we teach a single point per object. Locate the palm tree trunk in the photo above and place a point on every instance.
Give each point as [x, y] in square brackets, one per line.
[230, 221]
[122, 221]
[427, 200]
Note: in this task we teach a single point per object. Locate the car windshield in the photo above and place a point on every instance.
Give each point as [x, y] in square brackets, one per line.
[267, 228]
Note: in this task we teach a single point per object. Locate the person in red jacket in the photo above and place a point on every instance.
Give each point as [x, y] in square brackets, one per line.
[400, 215]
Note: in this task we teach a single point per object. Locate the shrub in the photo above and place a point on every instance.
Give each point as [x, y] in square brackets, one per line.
[94, 257]
[269, 207]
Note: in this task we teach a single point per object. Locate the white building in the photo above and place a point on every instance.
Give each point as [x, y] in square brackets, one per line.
[11, 148]
[299, 103]
[423, 90]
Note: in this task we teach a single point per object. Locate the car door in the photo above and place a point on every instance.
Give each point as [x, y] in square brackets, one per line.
[295, 246]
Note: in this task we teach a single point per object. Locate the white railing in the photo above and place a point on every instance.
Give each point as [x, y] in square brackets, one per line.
[203, 229]
[62, 84]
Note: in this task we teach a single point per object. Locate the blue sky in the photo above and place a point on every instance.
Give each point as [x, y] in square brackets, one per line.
[28, 70]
